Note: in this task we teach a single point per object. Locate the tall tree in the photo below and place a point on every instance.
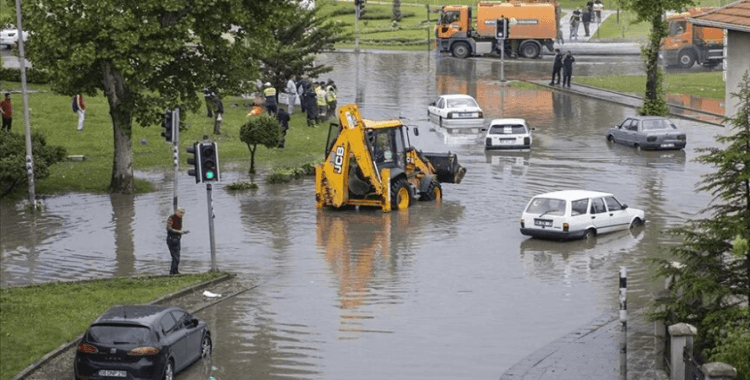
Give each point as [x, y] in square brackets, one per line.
[652, 11]
[713, 283]
[298, 34]
[145, 55]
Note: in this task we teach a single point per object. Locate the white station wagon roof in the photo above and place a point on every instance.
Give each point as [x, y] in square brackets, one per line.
[507, 121]
[573, 195]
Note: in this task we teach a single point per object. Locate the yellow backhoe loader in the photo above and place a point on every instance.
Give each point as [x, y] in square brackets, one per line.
[371, 163]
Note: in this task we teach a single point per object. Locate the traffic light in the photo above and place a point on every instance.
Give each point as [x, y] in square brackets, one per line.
[209, 156]
[195, 161]
[168, 126]
[501, 28]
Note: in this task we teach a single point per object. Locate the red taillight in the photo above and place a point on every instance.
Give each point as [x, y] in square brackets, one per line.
[522, 223]
[681, 137]
[566, 226]
[87, 348]
[144, 351]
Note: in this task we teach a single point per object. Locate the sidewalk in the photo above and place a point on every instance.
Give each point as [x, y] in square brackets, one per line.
[583, 45]
[592, 352]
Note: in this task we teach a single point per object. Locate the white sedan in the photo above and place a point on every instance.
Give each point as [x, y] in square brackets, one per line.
[9, 37]
[456, 111]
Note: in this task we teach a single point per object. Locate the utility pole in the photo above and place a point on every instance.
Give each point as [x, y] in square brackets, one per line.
[356, 25]
[29, 154]
[176, 152]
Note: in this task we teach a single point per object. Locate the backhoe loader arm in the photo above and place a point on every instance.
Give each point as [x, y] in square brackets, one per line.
[333, 176]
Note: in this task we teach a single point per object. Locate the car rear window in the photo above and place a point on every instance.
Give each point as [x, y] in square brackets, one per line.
[119, 334]
[507, 130]
[654, 125]
[546, 206]
[453, 103]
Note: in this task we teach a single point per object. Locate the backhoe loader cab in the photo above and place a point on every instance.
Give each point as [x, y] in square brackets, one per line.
[371, 163]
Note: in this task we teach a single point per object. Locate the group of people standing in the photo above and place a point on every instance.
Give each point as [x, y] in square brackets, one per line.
[317, 99]
[593, 13]
[562, 63]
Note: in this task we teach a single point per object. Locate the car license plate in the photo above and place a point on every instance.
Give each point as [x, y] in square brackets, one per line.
[467, 114]
[667, 145]
[507, 141]
[112, 373]
[543, 222]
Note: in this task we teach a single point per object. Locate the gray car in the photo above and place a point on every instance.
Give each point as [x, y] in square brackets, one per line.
[647, 132]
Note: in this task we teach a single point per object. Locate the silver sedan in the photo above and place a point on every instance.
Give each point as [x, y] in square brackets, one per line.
[647, 132]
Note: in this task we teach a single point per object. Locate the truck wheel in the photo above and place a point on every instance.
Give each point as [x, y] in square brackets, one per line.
[400, 195]
[460, 50]
[434, 192]
[687, 59]
[529, 49]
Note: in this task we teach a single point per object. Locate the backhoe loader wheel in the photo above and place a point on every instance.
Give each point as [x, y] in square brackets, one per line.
[434, 192]
[400, 195]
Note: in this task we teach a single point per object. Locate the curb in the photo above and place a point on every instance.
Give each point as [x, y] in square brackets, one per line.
[520, 369]
[65, 346]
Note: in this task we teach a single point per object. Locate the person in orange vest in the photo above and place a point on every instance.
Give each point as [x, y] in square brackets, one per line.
[256, 110]
[79, 106]
[6, 108]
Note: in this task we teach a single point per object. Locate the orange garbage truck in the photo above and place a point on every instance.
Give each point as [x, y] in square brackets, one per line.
[688, 44]
[533, 25]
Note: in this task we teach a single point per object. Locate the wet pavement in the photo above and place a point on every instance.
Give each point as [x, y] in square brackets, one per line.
[442, 291]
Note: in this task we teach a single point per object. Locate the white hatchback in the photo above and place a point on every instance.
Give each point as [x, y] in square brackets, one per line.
[575, 214]
[9, 37]
[503, 134]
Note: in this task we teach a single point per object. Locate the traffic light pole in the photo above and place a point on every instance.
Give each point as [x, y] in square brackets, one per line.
[209, 200]
[176, 152]
[356, 29]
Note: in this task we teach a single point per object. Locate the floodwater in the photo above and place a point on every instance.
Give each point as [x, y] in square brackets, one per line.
[447, 290]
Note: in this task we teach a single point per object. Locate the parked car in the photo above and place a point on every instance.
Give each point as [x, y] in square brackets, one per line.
[507, 134]
[456, 110]
[141, 342]
[9, 37]
[647, 132]
[575, 214]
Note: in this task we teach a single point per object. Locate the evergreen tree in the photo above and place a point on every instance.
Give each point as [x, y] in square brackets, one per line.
[711, 286]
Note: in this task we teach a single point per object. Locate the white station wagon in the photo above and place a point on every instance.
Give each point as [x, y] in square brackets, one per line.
[505, 134]
[456, 110]
[576, 214]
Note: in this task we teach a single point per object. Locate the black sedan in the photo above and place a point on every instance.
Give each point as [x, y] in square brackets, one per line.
[141, 342]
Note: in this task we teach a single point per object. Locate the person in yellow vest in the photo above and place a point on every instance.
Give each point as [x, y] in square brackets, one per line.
[320, 95]
[331, 100]
[271, 102]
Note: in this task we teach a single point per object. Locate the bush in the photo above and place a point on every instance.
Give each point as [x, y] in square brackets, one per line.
[13, 159]
[33, 75]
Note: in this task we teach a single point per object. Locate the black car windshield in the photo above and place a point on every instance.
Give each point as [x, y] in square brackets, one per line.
[654, 125]
[507, 130]
[546, 206]
[119, 334]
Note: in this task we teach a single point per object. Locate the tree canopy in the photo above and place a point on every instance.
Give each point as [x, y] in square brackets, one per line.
[260, 130]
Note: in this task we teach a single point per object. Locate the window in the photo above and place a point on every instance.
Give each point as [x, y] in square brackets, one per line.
[597, 206]
[440, 103]
[111, 334]
[462, 102]
[167, 323]
[546, 206]
[624, 124]
[507, 129]
[578, 207]
[633, 126]
[612, 204]
[180, 316]
[657, 124]
[676, 27]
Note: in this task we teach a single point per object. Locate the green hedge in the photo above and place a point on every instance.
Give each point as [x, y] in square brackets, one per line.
[32, 75]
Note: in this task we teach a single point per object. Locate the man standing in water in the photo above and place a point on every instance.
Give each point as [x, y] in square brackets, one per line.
[174, 233]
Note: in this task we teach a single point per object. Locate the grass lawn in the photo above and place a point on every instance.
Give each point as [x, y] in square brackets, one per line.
[52, 115]
[709, 85]
[37, 319]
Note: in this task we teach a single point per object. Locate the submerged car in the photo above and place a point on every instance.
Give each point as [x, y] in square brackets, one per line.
[647, 132]
[141, 342]
[455, 110]
[576, 214]
[507, 134]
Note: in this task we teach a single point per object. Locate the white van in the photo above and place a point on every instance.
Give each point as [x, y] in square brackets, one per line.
[576, 214]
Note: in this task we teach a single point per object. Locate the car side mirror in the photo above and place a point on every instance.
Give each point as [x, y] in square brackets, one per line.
[483, 130]
[416, 131]
[194, 322]
[624, 206]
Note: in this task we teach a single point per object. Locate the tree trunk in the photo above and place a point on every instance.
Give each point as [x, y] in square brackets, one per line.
[654, 102]
[252, 158]
[122, 165]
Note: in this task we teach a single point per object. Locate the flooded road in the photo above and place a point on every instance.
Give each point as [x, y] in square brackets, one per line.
[442, 291]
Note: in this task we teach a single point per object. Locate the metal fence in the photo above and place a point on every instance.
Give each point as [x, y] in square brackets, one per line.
[693, 364]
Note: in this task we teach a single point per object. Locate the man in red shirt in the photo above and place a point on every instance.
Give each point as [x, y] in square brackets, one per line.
[174, 233]
[6, 108]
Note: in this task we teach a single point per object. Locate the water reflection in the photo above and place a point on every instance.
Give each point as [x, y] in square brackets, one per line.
[123, 207]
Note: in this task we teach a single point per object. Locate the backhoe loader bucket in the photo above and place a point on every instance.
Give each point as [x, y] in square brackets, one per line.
[447, 167]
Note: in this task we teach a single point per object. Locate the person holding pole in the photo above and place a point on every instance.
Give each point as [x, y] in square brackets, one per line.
[174, 234]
